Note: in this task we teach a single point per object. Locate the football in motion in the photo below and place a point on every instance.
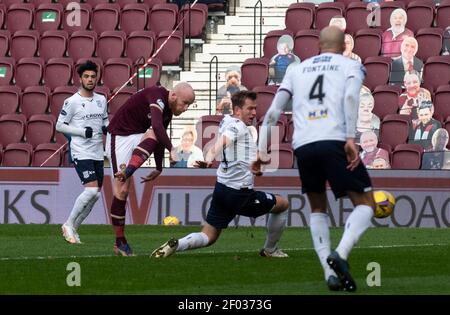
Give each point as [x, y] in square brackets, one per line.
[171, 220]
[385, 203]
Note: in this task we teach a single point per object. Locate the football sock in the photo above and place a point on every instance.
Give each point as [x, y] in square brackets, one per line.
[357, 223]
[192, 241]
[320, 233]
[80, 203]
[86, 211]
[140, 154]
[118, 218]
[275, 227]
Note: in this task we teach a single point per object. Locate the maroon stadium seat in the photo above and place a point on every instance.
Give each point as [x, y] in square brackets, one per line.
[207, 129]
[2, 15]
[306, 44]
[82, 44]
[97, 61]
[443, 14]
[120, 99]
[12, 128]
[5, 38]
[116, 72]
[124, 3]
[436, 72]
[9, 99]
[148, 76]
[7, 65]
[407, 157]
[69, 24]
[255, 72]
[386, 9]
[151, 3]
[394, 129]
[300, 16]
[57, 72]
[93, 3]
[29, 72]
[105, 17]
[429, 41]
[40, 129]
[170, 53]
[283, 153]
[162, 17]
[110, 44]
[133, 17]
[64, 3]
[198, 18]
[24, 44]
[356, 17]
[378, 70]
[270, 48]
[53, 44]
[386, 100]
[420, 15]
[17, 155]
[48, 17]
[140, 44]
[103, 90]
[442, 102]
[60, 94]
[367, 43]
[45, 150]
[19, 17]
[35, 100]
[281, 125]
[37, 3]
[265, 95]
[327, 10]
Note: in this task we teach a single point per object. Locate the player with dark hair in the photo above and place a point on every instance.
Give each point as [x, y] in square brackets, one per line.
[84, 117]
[137, 130]
[234, 194]
[325, 93]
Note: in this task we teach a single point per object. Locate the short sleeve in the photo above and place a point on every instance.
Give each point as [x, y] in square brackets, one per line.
[356, 70]
[287, 83]
[231, 131]
[67, 112]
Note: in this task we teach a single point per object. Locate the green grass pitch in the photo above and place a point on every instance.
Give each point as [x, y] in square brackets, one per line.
[34, 260]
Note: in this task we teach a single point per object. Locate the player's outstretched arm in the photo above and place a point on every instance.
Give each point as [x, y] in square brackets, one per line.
[221, 143]
[158, 127]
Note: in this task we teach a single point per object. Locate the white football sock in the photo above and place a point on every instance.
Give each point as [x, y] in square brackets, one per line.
[83, 215]
[81, 202]
[275, 227]
[357, 223]
[192, 241]
[320, 233]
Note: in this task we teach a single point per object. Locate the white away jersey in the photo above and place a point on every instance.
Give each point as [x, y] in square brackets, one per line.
[234, 170]
[81, 112]
[317, 86]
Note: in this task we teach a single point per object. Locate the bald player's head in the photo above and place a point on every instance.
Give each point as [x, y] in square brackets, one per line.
[181, 97]
[332, 40]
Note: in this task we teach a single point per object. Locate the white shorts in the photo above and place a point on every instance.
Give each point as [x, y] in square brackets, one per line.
[120, 148]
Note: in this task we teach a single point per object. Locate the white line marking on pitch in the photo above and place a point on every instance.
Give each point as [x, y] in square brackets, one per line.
[216, 252]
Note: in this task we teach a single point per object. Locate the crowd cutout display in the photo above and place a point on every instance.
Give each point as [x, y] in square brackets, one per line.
[280, 62]
[407, 63]
[367, 120]
[439, 157]
[393, 37]
[372, 156]
[187, 152]
[349, 45]
[422, 129]
[232, 85]
[409, 101]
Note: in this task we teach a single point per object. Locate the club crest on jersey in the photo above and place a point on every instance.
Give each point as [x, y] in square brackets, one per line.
[82, 104]
[160, 103]
[99, 103]
[318, 114]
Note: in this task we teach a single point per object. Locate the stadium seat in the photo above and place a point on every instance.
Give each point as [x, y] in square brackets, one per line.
[133, 17]
[82, 44]
[442, 102]
[105, 17]
[198, 18]
[64, 3]
[48, 17]
[170, 53]
[386, 100]
[37, 3]
[40, 129]
[65, 158]
[429, 42]
[254, 72]
[149, 76]
[162, 17]
[2, 15]
[378, 70]
[140, 44]
[300, 16]
[29, 72]
[270, 48]
[420, 15]
[110, 44]
[7, 65]
[207, 129]
[265, 95]
[24, 43]
[120, 98]
[103, 90]
[94, 3]
[407, 157]
[281, 125]
[151, 3]
[53, 44]
[44, 151]
[57, 72]
[17, 155]
[443, 14]
[19, 17]
[325, 11]
[35, 100]
[367, 43]
[10, 97]
[306, 44]
[436, 72]
[123, 3]
[283, 154]
[59, 95]
[447, 127]
[12, 128]
[5, 38]
[394, 129]
[97, 61]
[70, 24]
[386, 10]
[1, 153]
[356, 17]
[116, 72]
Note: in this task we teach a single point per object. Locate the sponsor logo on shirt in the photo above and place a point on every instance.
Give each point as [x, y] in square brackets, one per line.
[318, 114]
[160, 103]
[99, 103]
[63, 112]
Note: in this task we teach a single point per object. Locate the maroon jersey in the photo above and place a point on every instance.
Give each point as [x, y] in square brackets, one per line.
[134, 116]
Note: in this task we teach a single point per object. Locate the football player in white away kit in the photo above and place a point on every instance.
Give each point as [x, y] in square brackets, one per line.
[325, 95]
[84, 116]
[233, 193]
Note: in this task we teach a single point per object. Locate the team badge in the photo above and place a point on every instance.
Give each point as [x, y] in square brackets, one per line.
[160, 103]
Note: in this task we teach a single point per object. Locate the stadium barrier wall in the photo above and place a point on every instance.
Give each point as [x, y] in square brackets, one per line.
[46, 195]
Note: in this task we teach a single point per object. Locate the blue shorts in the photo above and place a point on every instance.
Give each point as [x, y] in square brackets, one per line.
[89, 171]
[323, 161]
[227, 202]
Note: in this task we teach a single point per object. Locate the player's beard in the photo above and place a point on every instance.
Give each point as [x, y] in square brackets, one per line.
[88, 88]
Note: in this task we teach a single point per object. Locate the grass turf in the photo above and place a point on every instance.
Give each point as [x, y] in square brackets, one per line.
[34, 260]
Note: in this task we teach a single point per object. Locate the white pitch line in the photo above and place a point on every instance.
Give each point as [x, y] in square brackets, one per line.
[217, 252]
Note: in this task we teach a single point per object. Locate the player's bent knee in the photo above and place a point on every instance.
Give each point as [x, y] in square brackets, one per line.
[281, 204]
